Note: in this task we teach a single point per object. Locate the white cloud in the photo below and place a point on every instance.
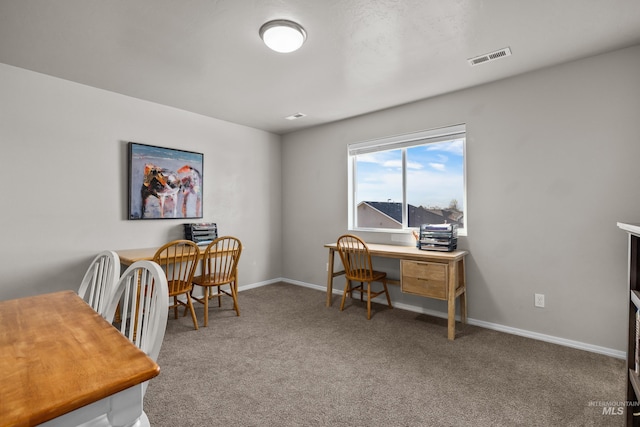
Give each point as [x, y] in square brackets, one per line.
[398, 164]
[455, 147]
[414, 165]
[438, 166]
[392, 164]
[370, 158]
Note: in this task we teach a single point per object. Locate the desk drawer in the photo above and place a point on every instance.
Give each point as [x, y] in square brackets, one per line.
[426, 279]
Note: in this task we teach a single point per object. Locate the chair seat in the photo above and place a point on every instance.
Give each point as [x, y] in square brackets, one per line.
[203, 280]
[199, 280]
[367, 275]
[179, 287]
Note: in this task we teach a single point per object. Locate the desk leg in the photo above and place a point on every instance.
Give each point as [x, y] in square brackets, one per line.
[451, 300]
[330, 278]
[462, 277]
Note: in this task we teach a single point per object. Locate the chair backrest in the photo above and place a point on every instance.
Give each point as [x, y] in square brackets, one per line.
[100, 280]
[142, 296]
[220, 260]
[179, 260]
[355, 257]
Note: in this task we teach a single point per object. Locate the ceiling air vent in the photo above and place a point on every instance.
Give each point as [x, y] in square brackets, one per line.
[489, 56]
[295, 116]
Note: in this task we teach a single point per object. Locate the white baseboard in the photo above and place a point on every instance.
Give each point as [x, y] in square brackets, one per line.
[259, 284]
[488, 325]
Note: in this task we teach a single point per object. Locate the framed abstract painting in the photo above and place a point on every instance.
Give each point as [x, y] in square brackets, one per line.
[164, 183]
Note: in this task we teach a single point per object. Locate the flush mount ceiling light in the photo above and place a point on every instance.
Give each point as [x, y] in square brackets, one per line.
[283, 36]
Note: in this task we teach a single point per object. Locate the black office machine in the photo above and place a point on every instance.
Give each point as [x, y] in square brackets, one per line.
[201, 233]
[438, 237]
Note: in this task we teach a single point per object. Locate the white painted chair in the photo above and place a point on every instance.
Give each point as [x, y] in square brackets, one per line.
[142, 293]
[100, 280]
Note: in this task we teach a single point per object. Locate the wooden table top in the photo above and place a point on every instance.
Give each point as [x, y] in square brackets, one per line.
[407, 252]
[129, 256]
[57, 354]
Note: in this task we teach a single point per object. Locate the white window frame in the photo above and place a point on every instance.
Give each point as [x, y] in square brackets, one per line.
[395, 142]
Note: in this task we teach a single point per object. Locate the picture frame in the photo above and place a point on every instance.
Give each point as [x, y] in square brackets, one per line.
[164, 183]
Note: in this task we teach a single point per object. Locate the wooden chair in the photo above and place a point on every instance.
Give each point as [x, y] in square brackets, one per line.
[356, 260]
[179, 260]
[140, 297]
[100, 280]
[219, 268]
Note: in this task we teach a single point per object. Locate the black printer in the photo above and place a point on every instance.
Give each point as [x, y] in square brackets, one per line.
[438, 237]
[201, 233]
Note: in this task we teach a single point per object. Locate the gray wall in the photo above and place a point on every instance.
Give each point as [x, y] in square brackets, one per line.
[63, 169]
[552, 165]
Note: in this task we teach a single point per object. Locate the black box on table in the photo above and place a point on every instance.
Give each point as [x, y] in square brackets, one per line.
[438, 237]
[201, 233]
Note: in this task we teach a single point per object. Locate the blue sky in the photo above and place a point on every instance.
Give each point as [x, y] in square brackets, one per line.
[434, 175]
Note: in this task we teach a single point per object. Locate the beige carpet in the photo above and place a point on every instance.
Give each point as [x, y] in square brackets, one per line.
[290, 361]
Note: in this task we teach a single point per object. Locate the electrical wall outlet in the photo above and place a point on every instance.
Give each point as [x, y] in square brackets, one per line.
[539, 300]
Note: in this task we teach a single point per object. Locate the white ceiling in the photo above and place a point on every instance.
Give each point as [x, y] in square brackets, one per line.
[205, 56]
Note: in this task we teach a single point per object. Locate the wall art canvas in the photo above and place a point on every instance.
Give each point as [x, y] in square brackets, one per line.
[164, 183]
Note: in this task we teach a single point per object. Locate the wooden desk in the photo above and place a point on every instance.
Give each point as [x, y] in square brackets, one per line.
[61, 361]
[431, 274]
[129, 256]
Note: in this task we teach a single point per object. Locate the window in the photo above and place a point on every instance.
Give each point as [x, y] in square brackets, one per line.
[400, 182]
